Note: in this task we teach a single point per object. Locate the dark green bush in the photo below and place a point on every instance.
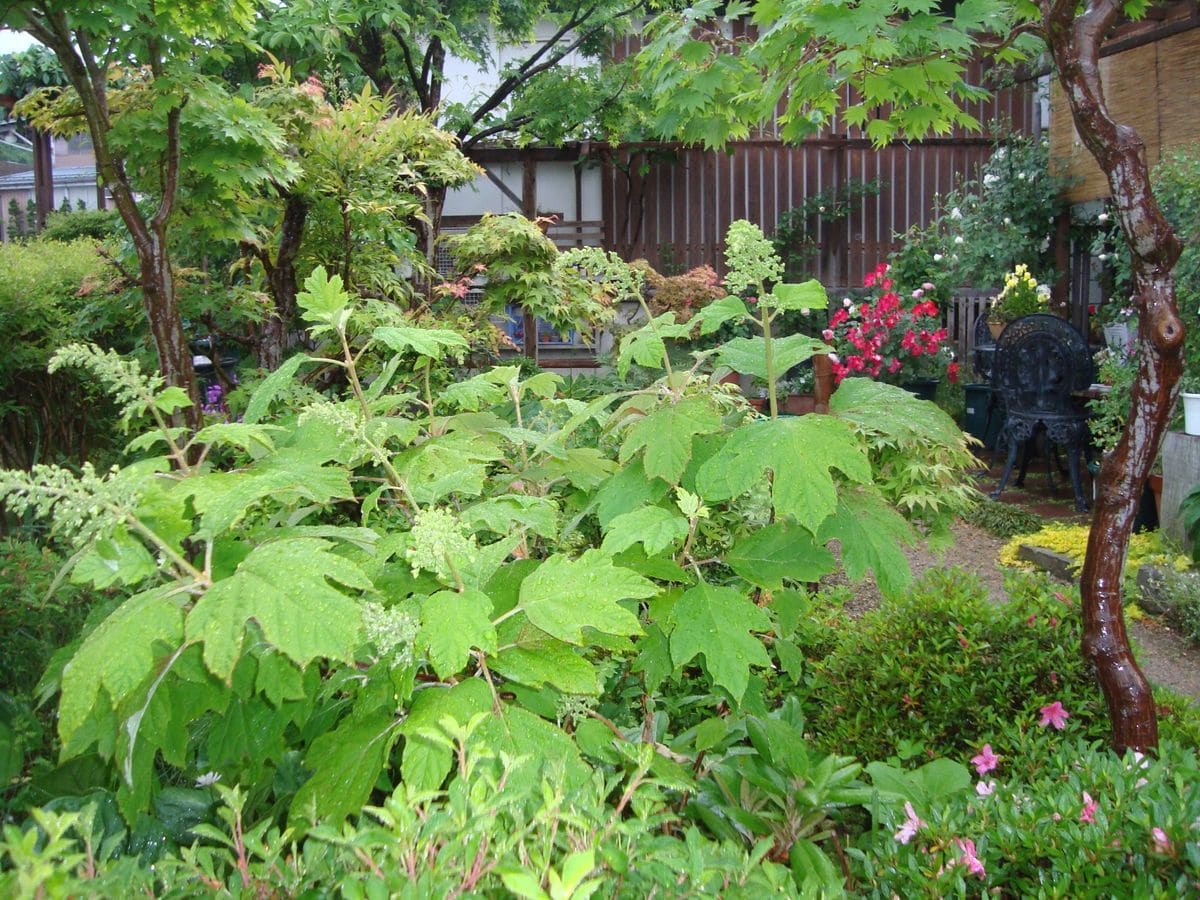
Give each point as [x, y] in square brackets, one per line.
[1002, 519]
[51, 294]
[947, 670]
[34, 621]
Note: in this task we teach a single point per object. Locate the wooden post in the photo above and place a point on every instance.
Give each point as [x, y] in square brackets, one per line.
[529, 210]
[822, 381]
[43, 178]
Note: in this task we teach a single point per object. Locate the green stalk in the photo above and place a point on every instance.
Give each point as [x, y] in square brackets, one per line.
[768, 352]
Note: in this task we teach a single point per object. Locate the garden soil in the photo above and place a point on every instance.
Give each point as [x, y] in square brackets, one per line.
[1167, 658]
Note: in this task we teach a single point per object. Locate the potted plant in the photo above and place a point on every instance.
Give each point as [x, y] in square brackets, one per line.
[883, 336]
[1021, 296]
[797, 391]
[1189, 399]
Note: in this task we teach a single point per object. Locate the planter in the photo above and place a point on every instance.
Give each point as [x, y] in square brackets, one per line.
[799, 404]
[996, 328]
[924, 388]
[759, 403]
[1191, 413]
[1117, 337]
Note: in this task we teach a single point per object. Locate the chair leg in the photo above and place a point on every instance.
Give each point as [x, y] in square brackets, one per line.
[1008, 467]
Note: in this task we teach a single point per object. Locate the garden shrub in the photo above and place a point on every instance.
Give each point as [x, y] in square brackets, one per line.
[50, 294]
[943, 670]
[34, 620]
[1083, 823]
[97, 224]
[1002, 519]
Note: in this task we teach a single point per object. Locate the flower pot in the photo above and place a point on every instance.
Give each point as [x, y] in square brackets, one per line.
[799, 404]
[996, 328]
[1191, 413]
[924, 388]
[759, 403]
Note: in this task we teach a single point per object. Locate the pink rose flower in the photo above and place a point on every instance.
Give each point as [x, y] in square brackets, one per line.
[1088, 814]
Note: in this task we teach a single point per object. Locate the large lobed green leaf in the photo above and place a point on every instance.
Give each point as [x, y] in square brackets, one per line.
[716, 622]
[564, 596]
[284, 586]
[800, 453]
[118, 656]
[667, 433]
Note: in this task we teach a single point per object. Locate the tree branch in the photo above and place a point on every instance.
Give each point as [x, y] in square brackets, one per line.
[538, 61]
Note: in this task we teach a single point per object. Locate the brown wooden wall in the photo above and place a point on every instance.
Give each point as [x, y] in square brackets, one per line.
[677, 212]
[672, 204]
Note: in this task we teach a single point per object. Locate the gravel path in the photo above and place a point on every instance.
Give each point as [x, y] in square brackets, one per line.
[1167, 658]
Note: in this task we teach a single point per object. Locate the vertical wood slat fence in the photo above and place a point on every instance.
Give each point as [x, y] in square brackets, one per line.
[672, 204]
[964, 308]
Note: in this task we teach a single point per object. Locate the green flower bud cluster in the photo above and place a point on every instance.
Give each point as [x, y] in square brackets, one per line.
[129, 386]
[438, 536]
[392, 630]
[81, 506]
[750, 258]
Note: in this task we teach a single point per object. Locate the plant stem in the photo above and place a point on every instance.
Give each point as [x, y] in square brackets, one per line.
[768, 353]
[352, 372]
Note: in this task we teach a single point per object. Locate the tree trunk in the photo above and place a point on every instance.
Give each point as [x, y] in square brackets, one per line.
[282, 284]
[1075, 45]
[166, 325]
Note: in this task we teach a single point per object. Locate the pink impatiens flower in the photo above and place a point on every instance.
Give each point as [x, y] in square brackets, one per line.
[985, 761]
[1162, 844]
[908, 830]
[1054, 715]
[1088, 814]
[968, 858]
[985, 788]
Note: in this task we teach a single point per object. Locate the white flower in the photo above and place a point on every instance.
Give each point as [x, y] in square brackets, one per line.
[1007, 220]
[208, 779]
[937, 257]
[1000, 153]
[806, 311]
[820, 209]
[1020, 176]
[1102, 218]
[958, 239]
[985, 788]
[846, 302]
[1045, 244]
[956, 213]
[989, 178]
[1102, 257]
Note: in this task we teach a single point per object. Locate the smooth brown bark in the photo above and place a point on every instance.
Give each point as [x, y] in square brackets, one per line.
[282, 283]
[149, 236]
[1074, 41]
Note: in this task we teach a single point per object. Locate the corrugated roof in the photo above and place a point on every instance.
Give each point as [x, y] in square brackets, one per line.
[69, 175]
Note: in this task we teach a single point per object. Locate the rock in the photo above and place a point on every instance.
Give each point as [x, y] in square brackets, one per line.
[1054, 564]
[1155, 599]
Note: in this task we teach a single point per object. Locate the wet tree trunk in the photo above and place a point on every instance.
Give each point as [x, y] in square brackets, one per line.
[282, 283]
[88, 74]
[1074, 42]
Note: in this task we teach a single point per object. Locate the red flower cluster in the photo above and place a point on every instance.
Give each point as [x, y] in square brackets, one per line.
[885, 339]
